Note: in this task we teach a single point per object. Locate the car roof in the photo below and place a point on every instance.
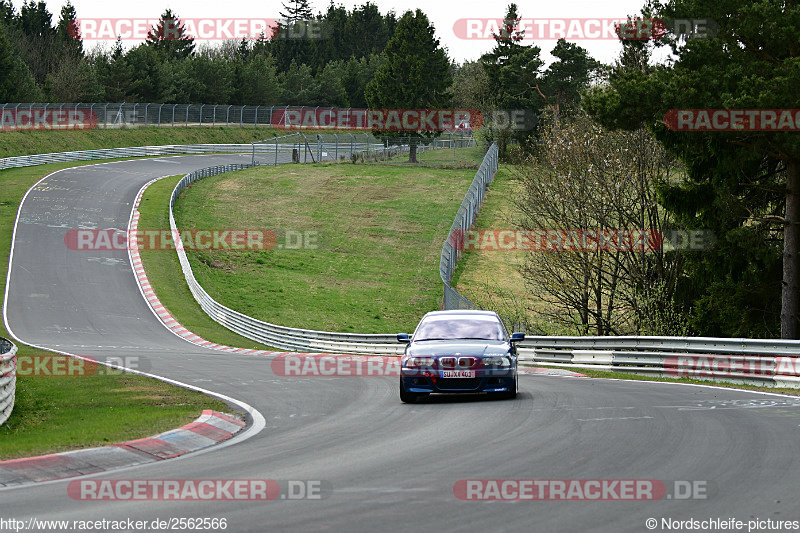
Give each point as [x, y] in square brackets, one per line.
[461, 312]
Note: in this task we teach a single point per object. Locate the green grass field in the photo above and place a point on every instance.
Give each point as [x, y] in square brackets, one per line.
[56, 414]
[165, 276]
[463, 157]
[379, 230]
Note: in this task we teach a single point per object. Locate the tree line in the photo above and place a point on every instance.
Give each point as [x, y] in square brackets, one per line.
[41, 60]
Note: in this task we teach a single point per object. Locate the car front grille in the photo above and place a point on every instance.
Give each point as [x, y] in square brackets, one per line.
[458, 383]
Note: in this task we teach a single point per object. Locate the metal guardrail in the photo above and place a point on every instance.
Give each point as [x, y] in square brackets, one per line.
[464, 218]
[772, 363]
[314, 151]
[8, 378]
[740, 346]
[137, 151]
[282, 337]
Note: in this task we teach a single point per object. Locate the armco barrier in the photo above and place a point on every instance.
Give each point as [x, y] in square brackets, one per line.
[772, 363]
[268, 148]
[133, 151]
[8, 378]
[271, 334]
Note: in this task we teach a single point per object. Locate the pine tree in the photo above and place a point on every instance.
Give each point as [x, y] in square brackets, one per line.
[297, 10]
[514, 74]
[416, 74]
[169, 37]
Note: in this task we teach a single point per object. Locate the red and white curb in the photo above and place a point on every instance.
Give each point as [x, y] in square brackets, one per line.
[209, 429]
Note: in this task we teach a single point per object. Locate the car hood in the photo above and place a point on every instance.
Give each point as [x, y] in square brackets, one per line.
[460, 347]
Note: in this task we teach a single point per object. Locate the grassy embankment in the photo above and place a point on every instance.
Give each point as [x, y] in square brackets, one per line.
[379, 231]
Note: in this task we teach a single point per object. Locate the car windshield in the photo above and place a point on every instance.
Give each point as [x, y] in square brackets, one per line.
[447, 328]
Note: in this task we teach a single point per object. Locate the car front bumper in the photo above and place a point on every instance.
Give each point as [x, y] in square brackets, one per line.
[489, 382]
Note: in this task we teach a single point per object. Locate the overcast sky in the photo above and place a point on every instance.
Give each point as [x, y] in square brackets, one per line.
[442, 13]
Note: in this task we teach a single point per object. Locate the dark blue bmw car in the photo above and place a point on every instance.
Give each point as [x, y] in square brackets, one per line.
[459, 352]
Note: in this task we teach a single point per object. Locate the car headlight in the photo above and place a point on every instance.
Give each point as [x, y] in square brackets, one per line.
[496, 361]
[420, 362]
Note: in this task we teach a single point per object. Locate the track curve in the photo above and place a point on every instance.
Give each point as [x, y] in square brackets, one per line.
[391, 466]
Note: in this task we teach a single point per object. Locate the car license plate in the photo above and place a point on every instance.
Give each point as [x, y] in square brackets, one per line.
[458, 373]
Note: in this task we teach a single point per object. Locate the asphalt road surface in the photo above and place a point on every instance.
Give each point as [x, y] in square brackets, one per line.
[377, 464]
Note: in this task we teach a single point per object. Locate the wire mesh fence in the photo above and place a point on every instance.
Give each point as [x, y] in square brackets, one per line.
[465, 217]
[359, 148]
[131, 115]
[29, 115]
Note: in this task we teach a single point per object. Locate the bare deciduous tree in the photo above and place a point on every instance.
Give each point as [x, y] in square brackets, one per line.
[599, 265]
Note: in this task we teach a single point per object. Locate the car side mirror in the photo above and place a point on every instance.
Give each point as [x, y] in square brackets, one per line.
[403, 337]
[517, 337]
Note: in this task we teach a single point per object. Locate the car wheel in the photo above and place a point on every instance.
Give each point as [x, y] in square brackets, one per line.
[407, 397]
[510, 395]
